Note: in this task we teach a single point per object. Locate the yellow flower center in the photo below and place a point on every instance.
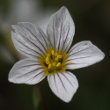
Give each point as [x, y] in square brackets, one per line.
[53, 61]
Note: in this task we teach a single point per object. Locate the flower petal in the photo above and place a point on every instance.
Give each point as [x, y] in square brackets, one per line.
[63, 85]
[61, 29]
[27, 71]
[28, 40]
[84, 54]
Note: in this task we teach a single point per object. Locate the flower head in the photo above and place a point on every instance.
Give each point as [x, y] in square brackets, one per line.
[49, 54]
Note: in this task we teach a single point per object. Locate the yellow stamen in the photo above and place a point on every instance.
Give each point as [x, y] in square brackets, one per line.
[52, 52]
[56, 59]
[58, 64]
[56, 54]
[69, 62]
[48, 55]
[47, 60]
[53, 64]
[49, 66]
[59, 56]
[53, 61]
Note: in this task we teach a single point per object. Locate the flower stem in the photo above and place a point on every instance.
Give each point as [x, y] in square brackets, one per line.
[37, 88]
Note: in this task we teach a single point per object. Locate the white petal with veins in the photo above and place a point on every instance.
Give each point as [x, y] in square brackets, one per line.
[27, 71]
[61, 29]
[84, 54]
[28, 40]
[63, 85]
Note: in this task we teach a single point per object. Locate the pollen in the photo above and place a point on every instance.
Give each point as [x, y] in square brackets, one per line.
[47, 60]
[49, 66]
[53, 52]
[69, 62]
[53, 61]
[59, 56]
[58, 64]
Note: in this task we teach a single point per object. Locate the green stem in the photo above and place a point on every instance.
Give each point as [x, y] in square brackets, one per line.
[37, 88]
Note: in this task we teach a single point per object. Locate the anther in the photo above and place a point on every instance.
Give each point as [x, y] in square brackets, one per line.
[49, 66]
[47, 60]
[56, 58]
[58, 64]
[52, 52]
[69, 62]
[59, 56]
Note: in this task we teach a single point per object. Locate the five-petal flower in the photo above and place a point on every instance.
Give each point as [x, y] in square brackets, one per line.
[49, 54]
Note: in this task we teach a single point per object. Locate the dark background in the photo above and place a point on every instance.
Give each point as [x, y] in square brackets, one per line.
[92, 22]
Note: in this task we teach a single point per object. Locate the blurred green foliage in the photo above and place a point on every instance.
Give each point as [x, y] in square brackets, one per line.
[35, 99]
[92, 22]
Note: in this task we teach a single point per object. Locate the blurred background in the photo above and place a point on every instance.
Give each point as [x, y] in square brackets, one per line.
[92, 22]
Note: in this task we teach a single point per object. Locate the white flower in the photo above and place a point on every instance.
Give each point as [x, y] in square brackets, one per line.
[49, 54]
